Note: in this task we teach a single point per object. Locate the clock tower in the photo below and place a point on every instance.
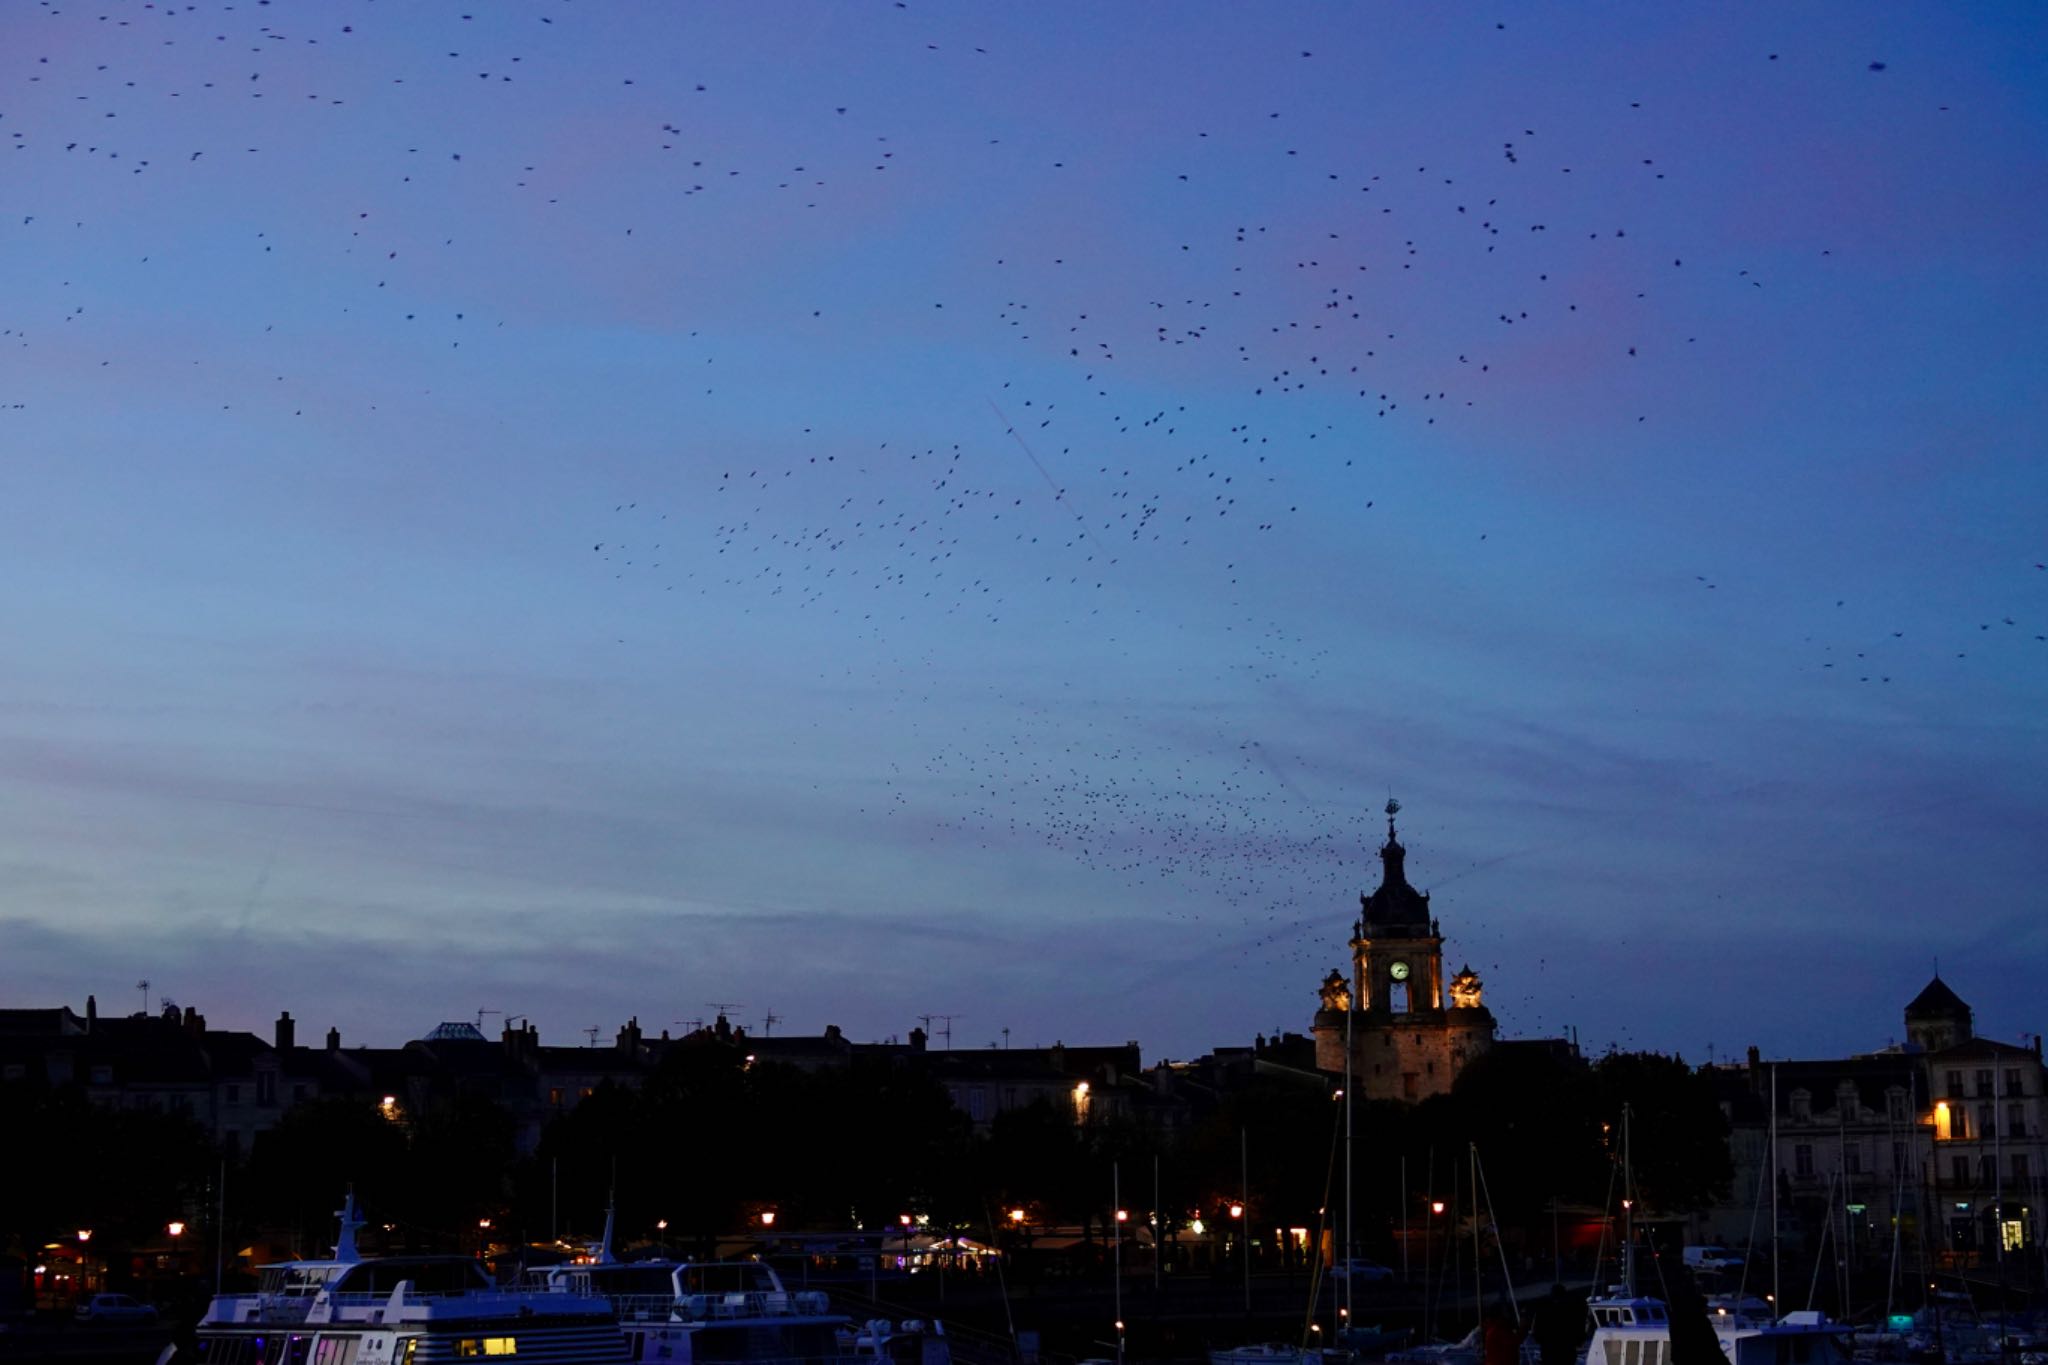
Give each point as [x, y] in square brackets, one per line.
[1407, 1040]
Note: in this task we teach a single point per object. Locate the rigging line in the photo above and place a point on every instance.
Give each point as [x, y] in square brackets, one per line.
[1507, 1277]
[1058, 494]
[1321, 1268]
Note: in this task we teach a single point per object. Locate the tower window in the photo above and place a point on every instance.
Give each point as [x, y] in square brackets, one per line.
[1397, 997]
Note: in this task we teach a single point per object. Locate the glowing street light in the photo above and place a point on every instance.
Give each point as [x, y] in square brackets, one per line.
[176, 1229]
[1237, 1210]
[85, 1234]
[661, 1225]
[767, 1218]
[483, 1222]
[904, 1219]
[1436, 1206]
[1016, 1215]
[1123, 1215]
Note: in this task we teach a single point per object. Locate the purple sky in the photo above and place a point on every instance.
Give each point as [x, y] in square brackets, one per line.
[588, 509]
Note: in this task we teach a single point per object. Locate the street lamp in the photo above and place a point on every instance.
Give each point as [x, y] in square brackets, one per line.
[176, 1229]
[85, 1234]
[767, 1218]
[1016, 1215]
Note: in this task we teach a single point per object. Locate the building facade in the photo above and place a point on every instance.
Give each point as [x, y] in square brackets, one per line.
[1928, 1153]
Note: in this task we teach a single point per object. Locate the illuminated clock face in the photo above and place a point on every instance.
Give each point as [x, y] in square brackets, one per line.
[1398, 970]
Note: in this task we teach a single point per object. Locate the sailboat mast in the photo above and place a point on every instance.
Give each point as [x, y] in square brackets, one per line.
[1772, 1175]
[1478, 1266]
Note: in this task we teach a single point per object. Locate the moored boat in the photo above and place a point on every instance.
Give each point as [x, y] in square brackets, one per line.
[350, 1309]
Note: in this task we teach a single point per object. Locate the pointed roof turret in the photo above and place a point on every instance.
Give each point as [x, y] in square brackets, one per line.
[1396, 905]
[1937, 998]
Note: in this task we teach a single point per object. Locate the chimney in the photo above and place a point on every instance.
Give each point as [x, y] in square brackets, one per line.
[92, 1013]
[284, 1031]
[192, 1021]
[629, 1036]
[917, 1040]
[334, 1040]
[832, 1034]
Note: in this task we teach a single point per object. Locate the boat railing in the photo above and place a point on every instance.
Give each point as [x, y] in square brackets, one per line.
[718, 1307]
[489, 1301]
[292, 1309]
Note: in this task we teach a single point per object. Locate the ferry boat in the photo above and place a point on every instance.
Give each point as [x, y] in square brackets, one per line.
[734, 1312]
[1636, 1330]
[400, 1310]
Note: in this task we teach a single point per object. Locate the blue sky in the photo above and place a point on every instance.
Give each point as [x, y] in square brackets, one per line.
[868, 510]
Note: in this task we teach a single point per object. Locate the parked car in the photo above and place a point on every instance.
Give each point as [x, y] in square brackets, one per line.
[1711, 1258]
[114, 1308]
[1363, 1272]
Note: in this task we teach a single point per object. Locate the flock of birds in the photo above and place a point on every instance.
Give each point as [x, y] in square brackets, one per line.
[1081, 475]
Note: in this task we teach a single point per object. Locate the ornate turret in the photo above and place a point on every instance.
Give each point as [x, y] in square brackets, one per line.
[1396, 905]
[1336, 992]
[1465, 989]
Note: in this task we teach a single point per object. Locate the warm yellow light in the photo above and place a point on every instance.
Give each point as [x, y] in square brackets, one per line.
[1237, 1210]
[1016, 1215]
[483, 1222]
[1119, 1325]
[1942, 1129]
[1080, 1087]
[1628, 1203]
[85, 1234]
[768, 1218]
[176, 1229]
[904, 1219]
[661, 1224]
[1123, 1215]
[1197, 1227]
[1436, 1206]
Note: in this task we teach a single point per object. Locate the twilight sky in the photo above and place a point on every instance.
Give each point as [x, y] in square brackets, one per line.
[579, 508]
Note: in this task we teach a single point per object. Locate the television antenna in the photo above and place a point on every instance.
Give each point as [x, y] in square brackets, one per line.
[592, 1033]
[480, 1018]
[143, 986]
[768, 1022]
[945, 1025]
[723, 1008]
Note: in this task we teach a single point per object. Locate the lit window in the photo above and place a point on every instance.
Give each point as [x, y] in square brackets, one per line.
[469, 1347]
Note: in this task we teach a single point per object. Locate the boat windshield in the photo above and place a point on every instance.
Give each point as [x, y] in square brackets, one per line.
[729, 1277]
[620, 1279]
[296, 1279]
[427, 1274]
